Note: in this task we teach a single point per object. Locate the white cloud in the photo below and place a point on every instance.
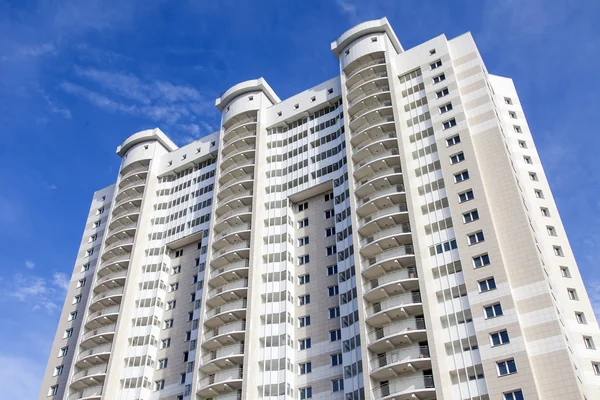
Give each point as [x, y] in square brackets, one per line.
[60, 280]
[36, 50]
[29, 264]
[35, 291]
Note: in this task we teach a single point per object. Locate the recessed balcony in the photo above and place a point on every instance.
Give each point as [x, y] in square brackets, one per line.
[135, 173]
[227, 292]
[237, 125]
[131, 189]
[382, 197]
[98, 337]
[391, 283]
[90, 393]
[221, 382]
[229, 272]
[228, 312]
[110, 281]
[369, 146]
[369, 133]
[232, 235]
[384, 177]
[117, 249]
[401, 361]
[225, 335]
[136, 183]
[397, 307]
[366, 73]
[112, 265]
[234, 197]
[222, 358]
[231, 254]
[232, 207]
[107, 299]
[105, 316]
[95, 356]
[396, 334]
[236, 170]
[391, 236]
[124, 217]
[366, 111]
[128, 202]
[89, 377]
[243, 184]
[394, 258]
[238, 157]
[381, 158]
[376, 83]
[126, 231]
[417, 387]
[376, 221]
[242, 141]
[353, 70]
[234, 217]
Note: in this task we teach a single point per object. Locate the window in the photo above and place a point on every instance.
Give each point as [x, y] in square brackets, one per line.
[303, 223]
[453, 140]
[456, 158]
[596, 368]
[435, 64]
[481, 260]
[77, 299]
[564, 271]
[439, 78]
[306, 393]
[533, 176]
[89, 252]
[538, 194]
[182, 381]
[337, 385]
[329, 214]
[81, 283]
[171, 304]
[508, 101]
[499, 338]
[445, 108]
[486, 285]
[303, 259]
[558, 251]
[334, 312]
[335, 335]
[476, 237]
[162, 363]
[465, 196]
[192, 297]
[178, 253]
[512, 114]
[336, 359]
[173, 287]
[516, 395]
[190, 315]
[580, 317]
[279, 113]
[303, 241]
[164, 343]
[431, 52]
[461, 176]
[330, 231]
[332, 270]
[185, 356]
[304, 344]
[589, 342]
[296, 106]
[168, 323]
[333, 290]
[304, 299]
[58, 370]
[442, 93]
[329, 91]
[53, 391]
[551, 230]
[446, 246]
[96, 224]
[72, 316]
[328, 196]
[100, 211]
[63, 351]
[506, 367]
[330, 250]
[85, 267]
[527, 160]
[517, 129]
[313, 99]
[522, 144]
[303, 206]
[572, 294]
[176, 270]
[250, 98]
[304, 321]
[493, 311]
[68, 333]
[471, 216]
[303, 279]
[449, 124]
[545, 212]
[305, 368]
[188, 336]
[159, 385]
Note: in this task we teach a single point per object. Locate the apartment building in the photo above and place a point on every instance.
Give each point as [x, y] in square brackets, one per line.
[387, 234]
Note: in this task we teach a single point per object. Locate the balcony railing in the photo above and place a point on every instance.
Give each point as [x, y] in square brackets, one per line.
[226, 375]
[100, 369]
[105, 311]
[391, 253]
[406, 385]
[245, 245]
[234, 349]
[398, 327]
[394, 301]
[241, 210]
[116, 275]
[235, 181]
[95, 391]
[105, 329]
[367, 79]
[372, 107]
[237, 326]
[237, 151]
[240, 135]
[138, 182]
[370, 124]
[388, 231]
[384, 212]
[373, 139]
[362, 67]
[240, 123]
[236, 166]
[230, 267]
[112, 292]
[132, 197]
[379, 174]
[393, 357]
[123, 242]
[105, 348]
[394, 189]
[404, 273]
[127, 174]
[379, 89]
[239, 284]
[232, 230]
[232, 305]
[245, 193]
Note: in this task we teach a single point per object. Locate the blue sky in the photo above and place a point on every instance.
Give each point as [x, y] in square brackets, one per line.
[76, 78]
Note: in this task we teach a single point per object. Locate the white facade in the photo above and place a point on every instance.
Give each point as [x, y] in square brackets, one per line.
[387, 234]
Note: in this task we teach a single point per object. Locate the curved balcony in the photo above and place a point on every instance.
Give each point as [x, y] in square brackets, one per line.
[228, 292]
[391, 283]
[366, 74]
[118, 248]
[229, 272]
[237, 127]
[384, 196]
[228, 312]
[132, 184]
[394, 258]
[381, 178]
[367, 147]
[417, 387]
[231, 254]
[391, 236]
[121, 233]
[138, 172]
[238, 156]
[106, 299]
[89, 376]
[111, 281]
[105, 316]
[226, 201]
[94, 356]
[398, 214]
[232, 235]
[234, 187]
[90, 393]
[234, 217]
[399, 306]
[397, 334]
[98, 337]
[367, 90]
[113, 265]
[235, 170]
[132, 189]
[383, 158]
[222, 358]
[362, 65]
[221, 382]
[128, 203]
[372, 131]
[124, 217]
[239, 141]
[393, 363]
[379, 107]
[227, 334]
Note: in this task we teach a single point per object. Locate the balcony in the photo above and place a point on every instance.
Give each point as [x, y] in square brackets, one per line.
[231, 172]
[232, 235]
[417, 387]
[390, 236]
[368, 90]
[118, 248]
[128, 202]
[221, 382]
[89, 376]
[397, 334]
[106, 299]
[228, 312]
[381, 158]
[123, 217]
[94, 356]
[381, 178]
[122, 232]
[382, 197]
[243, 182]
[393, 363]
[237, 127]
[389, 284]
[233, 332]
[231, 254]
[111, 281]
[240, 140]
[102, 317]
[222, 358]
[361, 66]
[91, 393]
[394, 258]
[136, 183]
[399, 306]
[374, 222]
[228, 292]
[137, 172]
[238, 196]
[366, 75]
[234, 217]
[238, 156]
[229, 272]
[98, 337]
[373, 107]
[115, 264]
[377, 137]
